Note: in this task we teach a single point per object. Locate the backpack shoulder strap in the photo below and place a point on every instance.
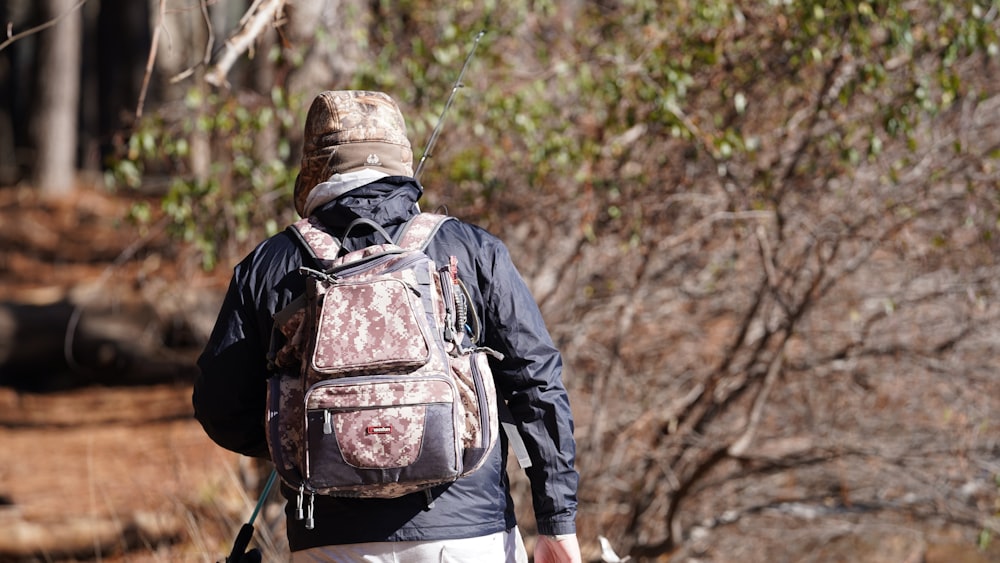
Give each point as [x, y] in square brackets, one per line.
[417, 233]
[320, 245]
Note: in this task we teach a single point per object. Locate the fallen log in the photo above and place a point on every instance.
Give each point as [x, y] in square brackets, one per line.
[111, 405]
[81, 537]
[57, 345]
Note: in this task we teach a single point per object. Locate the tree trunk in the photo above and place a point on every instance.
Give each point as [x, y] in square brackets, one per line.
[55, 119]
[329, 59]
[16, 91]
[122, 37]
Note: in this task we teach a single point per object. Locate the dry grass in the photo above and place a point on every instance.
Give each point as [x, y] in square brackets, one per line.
[121, 483]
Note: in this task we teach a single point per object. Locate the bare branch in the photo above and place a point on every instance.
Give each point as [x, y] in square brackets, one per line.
[150, 60]
[718, 216]
[209, 44]
[740, 446]
[254, 25]
[12, 38]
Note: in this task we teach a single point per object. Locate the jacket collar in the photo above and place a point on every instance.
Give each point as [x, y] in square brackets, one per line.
[387, 201]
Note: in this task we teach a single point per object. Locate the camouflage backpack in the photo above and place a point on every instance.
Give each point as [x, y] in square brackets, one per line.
[381, 389]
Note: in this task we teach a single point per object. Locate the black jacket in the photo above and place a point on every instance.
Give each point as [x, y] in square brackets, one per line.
[229, 394]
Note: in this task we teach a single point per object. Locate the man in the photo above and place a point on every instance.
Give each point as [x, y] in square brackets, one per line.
[357, 163]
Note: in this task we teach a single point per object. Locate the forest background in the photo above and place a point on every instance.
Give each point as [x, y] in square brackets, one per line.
[763, 234]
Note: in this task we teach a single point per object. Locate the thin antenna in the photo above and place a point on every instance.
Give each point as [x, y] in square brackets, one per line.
[447, 105]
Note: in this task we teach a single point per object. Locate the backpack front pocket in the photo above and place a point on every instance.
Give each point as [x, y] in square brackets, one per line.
[364, 431]
[375, 326]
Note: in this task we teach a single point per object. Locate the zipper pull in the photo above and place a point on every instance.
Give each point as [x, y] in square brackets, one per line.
[310, 522]
[321, 276]
[489, 351]
[298, 503]
[327, 423]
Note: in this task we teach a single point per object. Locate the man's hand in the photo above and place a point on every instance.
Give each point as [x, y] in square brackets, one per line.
[550, 550]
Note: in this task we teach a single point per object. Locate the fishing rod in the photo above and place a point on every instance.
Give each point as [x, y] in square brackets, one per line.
[454, 90]
[239, 553]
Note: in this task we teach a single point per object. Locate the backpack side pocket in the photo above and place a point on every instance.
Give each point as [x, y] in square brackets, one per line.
[285, 411]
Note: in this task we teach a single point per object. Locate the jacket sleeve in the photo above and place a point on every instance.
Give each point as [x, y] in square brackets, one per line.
[230, 391]
[530, 379]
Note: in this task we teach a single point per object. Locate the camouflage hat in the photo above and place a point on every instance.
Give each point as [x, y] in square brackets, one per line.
[346, 132]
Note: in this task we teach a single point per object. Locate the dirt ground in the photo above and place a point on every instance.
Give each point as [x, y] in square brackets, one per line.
[119, 474]
[97, 470]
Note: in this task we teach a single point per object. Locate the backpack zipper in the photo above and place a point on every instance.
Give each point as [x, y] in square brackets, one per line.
[353, 268]
[484, 403]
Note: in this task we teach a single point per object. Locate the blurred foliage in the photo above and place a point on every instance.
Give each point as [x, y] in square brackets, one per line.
[244, 190]
[569, 97]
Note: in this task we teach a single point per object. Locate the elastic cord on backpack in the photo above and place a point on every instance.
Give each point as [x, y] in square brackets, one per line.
[471, 319]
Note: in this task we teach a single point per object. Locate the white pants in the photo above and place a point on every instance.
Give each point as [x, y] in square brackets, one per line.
[502, 547]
